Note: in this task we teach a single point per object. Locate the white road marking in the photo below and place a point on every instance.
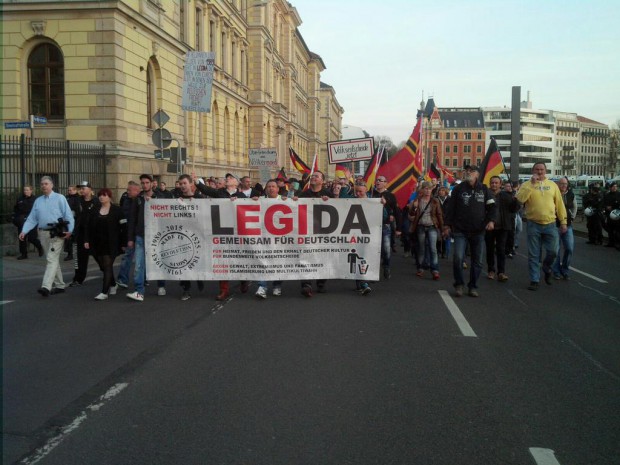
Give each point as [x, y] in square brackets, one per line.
[543, 456]
[53, 442]
[2, 302]
[457, 315]
[610, 297]
[588, 275]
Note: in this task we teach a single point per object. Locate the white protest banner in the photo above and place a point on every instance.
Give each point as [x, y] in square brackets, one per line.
[198, 81]
[344, 151]
[270, 239]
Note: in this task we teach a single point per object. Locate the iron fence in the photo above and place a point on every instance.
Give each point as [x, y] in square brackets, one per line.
[66, 162]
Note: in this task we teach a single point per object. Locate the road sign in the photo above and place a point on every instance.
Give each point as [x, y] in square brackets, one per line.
[17, 125]
[39, 119]
[161, 118]
[162, 138]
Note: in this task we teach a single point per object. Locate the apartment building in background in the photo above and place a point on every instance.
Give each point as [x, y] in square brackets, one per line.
[594, 154]
[99, 71]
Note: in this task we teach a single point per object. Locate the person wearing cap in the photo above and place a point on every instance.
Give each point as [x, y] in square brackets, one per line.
[46, 212]
[611, 202]
[87, 204]
[543, 205]
[470, 212]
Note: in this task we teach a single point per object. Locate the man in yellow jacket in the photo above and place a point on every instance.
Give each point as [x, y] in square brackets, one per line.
[543, 206]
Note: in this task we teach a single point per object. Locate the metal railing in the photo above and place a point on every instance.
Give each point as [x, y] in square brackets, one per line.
[66, 162]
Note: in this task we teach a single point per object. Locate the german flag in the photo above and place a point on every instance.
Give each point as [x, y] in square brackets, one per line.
[371, 170]
[433, 173]
[492, 165]
[297, 162]
[281, 174]
[344, 172]
[404, 168]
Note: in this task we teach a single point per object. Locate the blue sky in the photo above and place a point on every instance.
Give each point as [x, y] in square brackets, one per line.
[381, 55]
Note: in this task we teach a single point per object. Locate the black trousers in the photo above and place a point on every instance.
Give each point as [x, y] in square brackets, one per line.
[80, 261]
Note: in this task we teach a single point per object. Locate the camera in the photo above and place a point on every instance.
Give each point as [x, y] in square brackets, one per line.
[58, 229]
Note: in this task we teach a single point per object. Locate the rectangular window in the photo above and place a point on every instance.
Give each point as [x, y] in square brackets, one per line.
[466, 161]
[455, 162]
[446, 161]
[468, 136]
[456, 135]
[456, 149]
[467, 149]
[479, 136]
[447, 136]
[198, 38]
[479, 149]
[434, 150]
[447, 149]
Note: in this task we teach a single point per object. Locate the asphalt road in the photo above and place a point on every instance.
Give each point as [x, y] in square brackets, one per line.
[401, 376]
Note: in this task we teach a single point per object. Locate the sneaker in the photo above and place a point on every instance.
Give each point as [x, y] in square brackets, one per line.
[473, 293]
[533, 286]
[186, 295]
[458, 291]
[502, 277]
[435, 275]
[419, 273]
[113, 290]
[261, 292]
[161, 291]
[120, 284]
[366, 290]
[57, 290]
[101, 296]
[306, 290]
[75, 284]
[491, 275]
[135, 296]
[277, 291]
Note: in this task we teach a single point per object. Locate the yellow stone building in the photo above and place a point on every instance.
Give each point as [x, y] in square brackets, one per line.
[100, 70]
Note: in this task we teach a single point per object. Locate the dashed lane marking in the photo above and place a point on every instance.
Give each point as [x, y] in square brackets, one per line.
[543, 456]
[2, 302]
[587, 275]
[457, 315]
[53, 442]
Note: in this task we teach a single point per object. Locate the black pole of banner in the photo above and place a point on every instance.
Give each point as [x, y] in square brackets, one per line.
[515, 132]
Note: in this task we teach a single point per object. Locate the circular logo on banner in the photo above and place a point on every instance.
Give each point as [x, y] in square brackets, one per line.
[175, 250]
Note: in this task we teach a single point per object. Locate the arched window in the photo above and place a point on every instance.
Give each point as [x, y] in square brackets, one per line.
[46, 82]
[226, 132]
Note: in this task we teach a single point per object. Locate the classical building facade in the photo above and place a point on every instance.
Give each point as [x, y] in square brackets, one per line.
[454, 136]
[99, 71]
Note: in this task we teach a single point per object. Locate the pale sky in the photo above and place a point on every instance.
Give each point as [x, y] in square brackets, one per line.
[381, 55]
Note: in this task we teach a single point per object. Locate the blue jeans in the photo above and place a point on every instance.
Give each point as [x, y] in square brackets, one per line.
[386, 245]
[567, 240]
[125, 268]
[476, 246]
[139, 272]
[539, 237]
[275, 283]
[427, 243]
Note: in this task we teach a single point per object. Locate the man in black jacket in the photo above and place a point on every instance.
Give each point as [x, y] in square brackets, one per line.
[611, 201]
[470, 211]
[593, 201]
[88, 203]
[315, 191]
[22, 209]
[495, 239]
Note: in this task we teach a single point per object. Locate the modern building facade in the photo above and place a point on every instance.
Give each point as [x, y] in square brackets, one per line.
[594, 151]
[99, 71]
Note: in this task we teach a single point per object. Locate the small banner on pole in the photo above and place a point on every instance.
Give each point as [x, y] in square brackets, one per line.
[198, 81]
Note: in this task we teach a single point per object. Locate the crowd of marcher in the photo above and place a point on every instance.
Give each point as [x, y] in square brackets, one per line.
[466, 219]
